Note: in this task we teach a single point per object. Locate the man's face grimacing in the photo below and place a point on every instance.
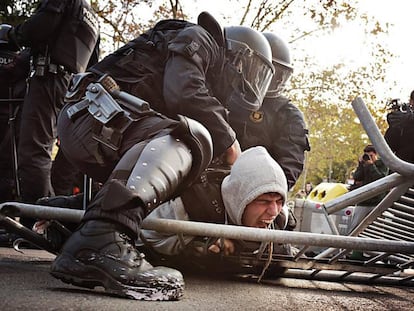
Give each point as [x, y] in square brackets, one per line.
[261, 212]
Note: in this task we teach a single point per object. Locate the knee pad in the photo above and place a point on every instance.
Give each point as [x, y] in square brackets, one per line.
[198, 139]
[160, 171]
[147, 175]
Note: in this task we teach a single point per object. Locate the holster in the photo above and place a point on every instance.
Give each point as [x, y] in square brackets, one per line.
[112, 109]
[77, 86]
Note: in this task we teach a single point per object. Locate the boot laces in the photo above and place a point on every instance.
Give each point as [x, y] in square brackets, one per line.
[131, 248]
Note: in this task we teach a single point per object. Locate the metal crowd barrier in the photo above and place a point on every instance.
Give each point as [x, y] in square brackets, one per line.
[385, 235]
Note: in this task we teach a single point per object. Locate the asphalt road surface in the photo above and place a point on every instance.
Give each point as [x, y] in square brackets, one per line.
[25, 284]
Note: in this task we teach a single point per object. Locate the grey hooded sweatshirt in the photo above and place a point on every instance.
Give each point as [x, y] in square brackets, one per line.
[254, 173]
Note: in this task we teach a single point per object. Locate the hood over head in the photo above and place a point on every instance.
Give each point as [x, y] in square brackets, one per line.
[254, 173]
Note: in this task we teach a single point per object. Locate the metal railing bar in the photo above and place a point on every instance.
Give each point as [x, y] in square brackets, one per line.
[403, 208]
[41, 212]
[346, 274]
[254, 234]
[401, 214]
[377, 276]
[406, 279]
[392, 195]
[409, 263]
[388, 157]
[396, 257]
[301, 252]
[314, 273]
[380, 235]
[356, 278]
[380, 208]
[410, 191]
[218, 230]
[406, 199]
[397, 221]
[340, 255]
[393, 230]
[396, 224]
[377, 258]
[344, 265]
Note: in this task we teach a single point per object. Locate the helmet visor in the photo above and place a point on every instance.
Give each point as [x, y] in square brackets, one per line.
[255, 71]
[280, 77]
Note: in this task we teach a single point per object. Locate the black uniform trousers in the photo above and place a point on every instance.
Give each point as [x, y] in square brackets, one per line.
[38, 133]
[104, 164]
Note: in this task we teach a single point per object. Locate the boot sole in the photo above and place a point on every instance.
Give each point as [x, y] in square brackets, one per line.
[93, 277]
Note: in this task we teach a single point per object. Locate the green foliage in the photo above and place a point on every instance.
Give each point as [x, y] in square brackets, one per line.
[124, 20]
[324, 91]
[14, 12]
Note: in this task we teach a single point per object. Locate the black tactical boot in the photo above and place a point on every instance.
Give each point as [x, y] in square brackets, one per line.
[98, 254]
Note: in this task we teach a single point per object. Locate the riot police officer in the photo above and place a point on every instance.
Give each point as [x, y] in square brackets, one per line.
[188, 71]
[278, 125]
[14, 70]
[62, 35]
[401, 129]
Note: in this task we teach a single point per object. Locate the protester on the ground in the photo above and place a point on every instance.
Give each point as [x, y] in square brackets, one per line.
[247, 195]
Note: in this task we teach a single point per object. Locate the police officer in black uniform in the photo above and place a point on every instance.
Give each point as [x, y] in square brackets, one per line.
[188, 71]
[278, 125]
[62, 35]
[401, 129]
[14, 70]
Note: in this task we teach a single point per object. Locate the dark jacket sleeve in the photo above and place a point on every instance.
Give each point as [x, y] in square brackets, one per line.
[289, 141]
[186, 91]
[367, 173]
[38, 29]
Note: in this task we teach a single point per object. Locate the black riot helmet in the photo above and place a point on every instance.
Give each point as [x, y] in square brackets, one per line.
[4, 33]
[248, 68]
[7, 51]
[6, 44]
[282, 63]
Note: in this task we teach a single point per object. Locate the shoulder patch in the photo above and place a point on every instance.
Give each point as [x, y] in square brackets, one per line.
[256, 116]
